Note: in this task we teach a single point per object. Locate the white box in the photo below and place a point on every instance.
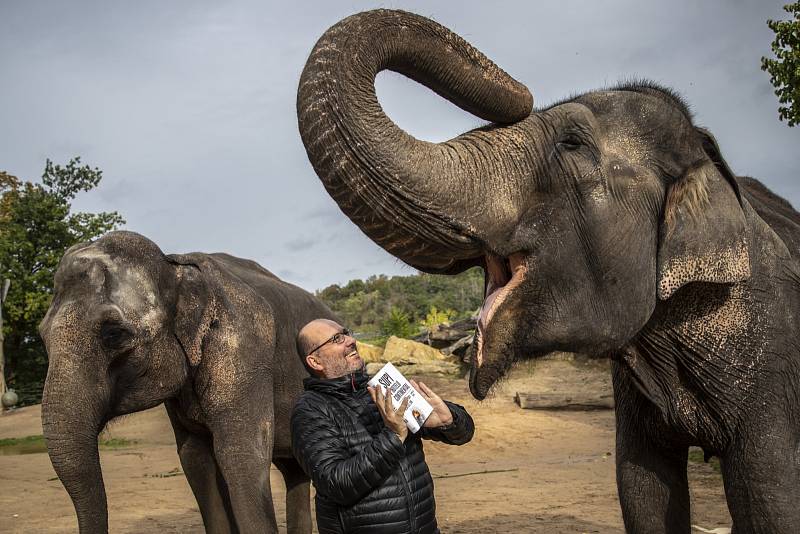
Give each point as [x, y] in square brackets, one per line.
[393, 380]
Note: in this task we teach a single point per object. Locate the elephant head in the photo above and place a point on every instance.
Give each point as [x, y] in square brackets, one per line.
[584, 215]
[119, 334]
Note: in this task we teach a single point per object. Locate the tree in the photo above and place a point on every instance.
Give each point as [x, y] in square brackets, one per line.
[784, 71]
[435, 317]
[365, 305]
[36, 228]
[397, 324]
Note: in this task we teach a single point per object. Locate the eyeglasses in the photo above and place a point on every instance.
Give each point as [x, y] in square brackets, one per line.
[336, 339]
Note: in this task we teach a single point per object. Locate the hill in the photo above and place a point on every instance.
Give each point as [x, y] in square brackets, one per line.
[402, 305]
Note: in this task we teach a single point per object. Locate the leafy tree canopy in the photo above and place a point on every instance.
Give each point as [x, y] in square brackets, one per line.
[784, 70]
[397, 324]
[36, 228]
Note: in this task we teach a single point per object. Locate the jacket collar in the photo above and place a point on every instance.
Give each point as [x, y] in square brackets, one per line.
[344, 385]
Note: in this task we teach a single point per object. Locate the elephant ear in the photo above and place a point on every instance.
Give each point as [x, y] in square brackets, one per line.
[704, 232]
[193, 312]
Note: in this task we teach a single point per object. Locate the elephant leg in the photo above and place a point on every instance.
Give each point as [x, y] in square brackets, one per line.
[298, 496]
[651, 476]
[243, 452]
[653, 488]
[208, 486]
[761, 483]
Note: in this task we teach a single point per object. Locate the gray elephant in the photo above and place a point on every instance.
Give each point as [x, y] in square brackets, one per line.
[210, 335]
[607, 223]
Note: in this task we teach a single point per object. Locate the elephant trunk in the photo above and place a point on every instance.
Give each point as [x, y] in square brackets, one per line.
[428, 204]
[72, 419]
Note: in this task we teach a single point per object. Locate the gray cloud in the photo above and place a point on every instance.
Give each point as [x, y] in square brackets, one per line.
[300, 244]
[189, 107]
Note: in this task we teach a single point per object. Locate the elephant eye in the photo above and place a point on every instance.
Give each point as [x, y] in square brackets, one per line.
[114, 336]
[570, 141]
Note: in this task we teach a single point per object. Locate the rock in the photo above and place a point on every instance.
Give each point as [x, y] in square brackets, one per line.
[374, 367]
[442, 367]
[9, 399]
[369, 353]
[410, 358]
[406, 352]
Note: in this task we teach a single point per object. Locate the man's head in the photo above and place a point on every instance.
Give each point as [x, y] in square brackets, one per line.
[328, 351]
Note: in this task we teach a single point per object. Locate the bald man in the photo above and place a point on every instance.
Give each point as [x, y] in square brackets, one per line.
[368, 470]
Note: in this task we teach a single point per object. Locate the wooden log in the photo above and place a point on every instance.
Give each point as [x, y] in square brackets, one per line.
[564, 401]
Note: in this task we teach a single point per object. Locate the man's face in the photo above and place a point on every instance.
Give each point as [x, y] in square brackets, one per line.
[333, 360]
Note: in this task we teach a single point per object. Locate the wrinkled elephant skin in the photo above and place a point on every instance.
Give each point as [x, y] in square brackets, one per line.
[608, 223]
[211, 336]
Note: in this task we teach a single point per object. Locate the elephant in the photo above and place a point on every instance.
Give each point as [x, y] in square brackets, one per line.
[211, 336]
[607, 223]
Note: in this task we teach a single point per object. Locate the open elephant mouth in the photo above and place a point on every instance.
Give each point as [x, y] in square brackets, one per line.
[503, 276]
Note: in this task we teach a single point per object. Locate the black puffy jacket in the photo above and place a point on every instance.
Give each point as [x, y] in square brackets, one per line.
[367, 480]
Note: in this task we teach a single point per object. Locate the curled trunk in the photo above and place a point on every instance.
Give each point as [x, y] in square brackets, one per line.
[431, 205]
[71, 424]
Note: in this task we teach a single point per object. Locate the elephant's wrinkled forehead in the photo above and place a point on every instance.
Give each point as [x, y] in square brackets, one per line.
[87, 266]
[646, 111]
[637, 127]
[120, 282]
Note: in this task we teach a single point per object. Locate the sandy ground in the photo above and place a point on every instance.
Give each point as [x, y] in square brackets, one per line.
[525, 470]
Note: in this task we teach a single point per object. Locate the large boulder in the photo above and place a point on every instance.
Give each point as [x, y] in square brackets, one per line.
[443, 367]
[374, 367]
[406, 352]
[369, 353]
[412, 358]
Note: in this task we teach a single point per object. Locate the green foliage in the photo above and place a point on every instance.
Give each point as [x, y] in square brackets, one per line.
[27, 440]
[366, 306]
[116, 443]
[436, 317]
[36, 228]
[698, 457]
[784, 71]
[397, 324]
[37, 440]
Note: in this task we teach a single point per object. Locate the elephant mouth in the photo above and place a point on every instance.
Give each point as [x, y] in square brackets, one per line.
[503, 275]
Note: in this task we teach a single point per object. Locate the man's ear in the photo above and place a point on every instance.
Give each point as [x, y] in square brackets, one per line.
[703, 235]
[312, 360]
[193, 310]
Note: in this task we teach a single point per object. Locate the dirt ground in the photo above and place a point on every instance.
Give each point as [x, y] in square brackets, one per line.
[525, 470]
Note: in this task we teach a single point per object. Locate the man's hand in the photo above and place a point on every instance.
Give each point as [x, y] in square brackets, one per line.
[391, 417]
[440, 416]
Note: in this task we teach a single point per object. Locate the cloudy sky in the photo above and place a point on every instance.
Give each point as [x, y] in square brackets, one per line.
[189, 107]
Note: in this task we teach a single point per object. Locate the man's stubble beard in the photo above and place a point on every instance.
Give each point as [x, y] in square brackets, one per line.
[348, 367]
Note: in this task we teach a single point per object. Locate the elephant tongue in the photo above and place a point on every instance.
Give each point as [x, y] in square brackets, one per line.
[497, 276]
[502, 276]
[487, 305]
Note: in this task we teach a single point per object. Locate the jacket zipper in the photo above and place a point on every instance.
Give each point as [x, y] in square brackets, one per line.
[412, 517]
